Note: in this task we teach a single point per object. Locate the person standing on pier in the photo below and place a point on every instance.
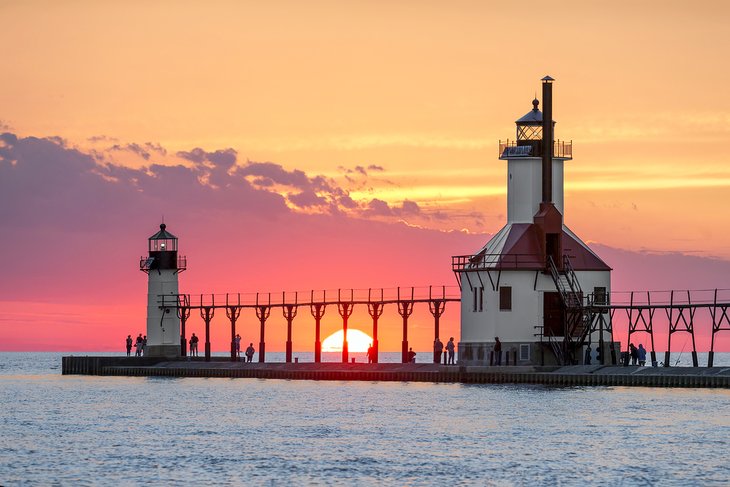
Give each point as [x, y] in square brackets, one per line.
[138, 346]
[193, 346]
[237, 341]
[450, 349]
[144, 345]
[129, 345]
[371, 353]
[641, 353]
[497, 351]
[634, 353]
[411, 355]
[249, 352]
[438, 349]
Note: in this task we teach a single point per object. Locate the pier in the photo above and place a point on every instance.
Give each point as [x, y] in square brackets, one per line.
[581, 375]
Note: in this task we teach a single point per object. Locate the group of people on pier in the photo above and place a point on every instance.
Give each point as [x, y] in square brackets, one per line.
[637, 354]
[249, 351]
[236, 343]
[139, 345]
[438, 350]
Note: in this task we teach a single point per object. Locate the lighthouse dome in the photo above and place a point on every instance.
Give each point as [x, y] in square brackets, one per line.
[163, 240]
[533, 117]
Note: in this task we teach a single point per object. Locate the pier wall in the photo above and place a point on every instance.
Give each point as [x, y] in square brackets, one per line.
[718, 377]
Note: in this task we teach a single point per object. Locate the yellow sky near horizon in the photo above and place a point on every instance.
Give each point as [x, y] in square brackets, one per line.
[424, 89]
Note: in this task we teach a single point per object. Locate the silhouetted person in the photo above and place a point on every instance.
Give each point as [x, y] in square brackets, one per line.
[587, 357]
[249, 352]
[138, 346]
[450, 349]
[129, 345]
[144, 345]
[497, 351]
[634, 353]
[193, 346]
[237, 341]
[641, 355]
[438, 349]
[371, 354]
[411, 355]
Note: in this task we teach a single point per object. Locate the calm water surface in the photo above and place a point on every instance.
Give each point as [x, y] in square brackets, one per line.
[77, 430]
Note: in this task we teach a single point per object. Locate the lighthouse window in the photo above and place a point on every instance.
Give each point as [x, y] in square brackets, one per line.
[505, 298]
[478, 293]
[599, 295]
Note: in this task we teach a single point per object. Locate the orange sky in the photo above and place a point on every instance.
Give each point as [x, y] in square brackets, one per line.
[423, 90]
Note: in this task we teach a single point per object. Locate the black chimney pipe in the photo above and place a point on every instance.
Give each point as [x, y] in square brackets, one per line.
[547, 139]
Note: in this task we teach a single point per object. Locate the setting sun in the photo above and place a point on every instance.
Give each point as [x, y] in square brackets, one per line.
[357, 341]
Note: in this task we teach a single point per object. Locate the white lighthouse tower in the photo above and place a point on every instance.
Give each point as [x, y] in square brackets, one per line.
[162, 267]
[534, 283]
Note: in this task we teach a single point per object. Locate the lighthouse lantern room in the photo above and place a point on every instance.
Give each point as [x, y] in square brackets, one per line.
[534, 284]
[162, 266]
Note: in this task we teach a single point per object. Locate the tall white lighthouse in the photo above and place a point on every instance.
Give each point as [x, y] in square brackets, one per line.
[162, 266]
[535, 283]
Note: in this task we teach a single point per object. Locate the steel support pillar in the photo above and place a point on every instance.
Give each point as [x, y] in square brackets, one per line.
[233, 312]
[183, 313]
[405, 308]
[436, 307]
[207, 312]
[317, 311]
[375, 310]
[262, 313]
[720, 316]
[345, 310]
[290, 311]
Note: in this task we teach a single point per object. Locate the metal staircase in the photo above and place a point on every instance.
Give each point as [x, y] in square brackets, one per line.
[577, 317]
[553, 342]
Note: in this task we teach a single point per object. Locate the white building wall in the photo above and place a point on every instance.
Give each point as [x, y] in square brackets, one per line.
[161, 330]
[517, 325]
[524, 188]
[558, 166]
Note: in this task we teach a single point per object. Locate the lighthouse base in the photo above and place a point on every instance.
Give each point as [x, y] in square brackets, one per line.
[166, 351]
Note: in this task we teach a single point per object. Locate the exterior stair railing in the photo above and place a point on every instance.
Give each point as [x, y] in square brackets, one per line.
[552, 342]
[577, 320]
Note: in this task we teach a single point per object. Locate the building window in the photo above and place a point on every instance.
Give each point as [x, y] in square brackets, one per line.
[599, 295]
[478, 298]
[505, 298]
[524, 351]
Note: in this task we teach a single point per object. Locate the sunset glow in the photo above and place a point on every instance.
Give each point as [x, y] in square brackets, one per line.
[309, 145]
[357, 341]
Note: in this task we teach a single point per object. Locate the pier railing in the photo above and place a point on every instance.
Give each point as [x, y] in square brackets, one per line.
[422, 294]
[509, 148]
[483, 262]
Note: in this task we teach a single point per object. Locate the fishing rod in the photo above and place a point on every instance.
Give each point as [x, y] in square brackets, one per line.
[680, 353]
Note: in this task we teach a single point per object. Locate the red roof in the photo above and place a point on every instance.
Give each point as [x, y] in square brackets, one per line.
[524, 240]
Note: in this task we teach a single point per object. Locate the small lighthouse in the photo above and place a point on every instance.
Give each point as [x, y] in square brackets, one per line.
[162, 266]
[534, 283]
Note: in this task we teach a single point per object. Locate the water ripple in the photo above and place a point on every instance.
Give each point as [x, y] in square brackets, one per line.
[73, 430]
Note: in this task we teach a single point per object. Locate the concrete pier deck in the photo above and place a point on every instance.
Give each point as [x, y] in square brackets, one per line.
[580, 375]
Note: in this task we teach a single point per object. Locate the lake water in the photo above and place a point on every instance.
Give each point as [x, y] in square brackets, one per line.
[77, 430]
